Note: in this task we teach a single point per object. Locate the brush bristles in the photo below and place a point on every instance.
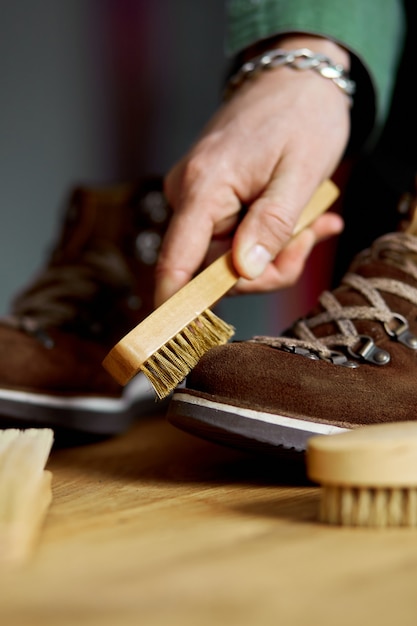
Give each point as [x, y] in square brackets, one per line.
[377, 507]
[170, 365]
[25, 490]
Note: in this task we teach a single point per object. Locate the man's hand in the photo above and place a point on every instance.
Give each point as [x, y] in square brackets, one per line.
[268, 148]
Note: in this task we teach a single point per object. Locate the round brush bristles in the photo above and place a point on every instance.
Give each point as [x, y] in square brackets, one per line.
[353, 506]
[368, 475]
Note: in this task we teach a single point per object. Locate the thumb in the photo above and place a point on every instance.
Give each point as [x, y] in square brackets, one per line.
[270, 223]
[261, 235]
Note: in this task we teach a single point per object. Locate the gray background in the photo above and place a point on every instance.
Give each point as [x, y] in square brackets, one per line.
[97, 91]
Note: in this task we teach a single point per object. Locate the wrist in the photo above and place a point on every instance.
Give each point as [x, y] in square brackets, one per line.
[300, 52]
[315, 43]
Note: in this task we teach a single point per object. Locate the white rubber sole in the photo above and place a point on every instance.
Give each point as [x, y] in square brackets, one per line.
[92, 414]
[241, 427]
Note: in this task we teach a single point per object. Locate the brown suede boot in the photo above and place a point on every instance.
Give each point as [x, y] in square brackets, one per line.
[97, 284]
[351, 362]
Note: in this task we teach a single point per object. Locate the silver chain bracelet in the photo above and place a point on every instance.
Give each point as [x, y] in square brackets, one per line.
[301, 59]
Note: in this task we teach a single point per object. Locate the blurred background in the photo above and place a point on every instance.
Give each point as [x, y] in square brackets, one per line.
[105, 91]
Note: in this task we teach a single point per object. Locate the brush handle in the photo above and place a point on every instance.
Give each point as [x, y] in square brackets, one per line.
[201, 293]
[221, 276]
[374, 456]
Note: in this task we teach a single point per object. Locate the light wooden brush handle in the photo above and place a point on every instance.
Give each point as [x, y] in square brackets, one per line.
[221, 276]
[200, 294]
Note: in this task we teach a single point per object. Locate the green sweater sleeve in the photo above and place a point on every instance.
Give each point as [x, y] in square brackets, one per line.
[372, 30]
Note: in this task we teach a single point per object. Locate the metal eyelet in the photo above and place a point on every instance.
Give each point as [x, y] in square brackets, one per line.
[156, 206]
[335, 357]
[338, 358]
[305, 352]
[148, 243]
[401, 333]
[370, 352]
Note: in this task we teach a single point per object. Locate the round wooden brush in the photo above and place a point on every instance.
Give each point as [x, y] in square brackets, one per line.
[368, 475]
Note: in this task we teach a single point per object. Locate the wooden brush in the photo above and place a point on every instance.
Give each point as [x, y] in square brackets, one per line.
[368, 475]
[171, 341]
[25, 490]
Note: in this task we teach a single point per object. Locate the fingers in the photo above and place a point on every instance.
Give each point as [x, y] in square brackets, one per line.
[192, 228]
[261, 251]
[271, 219]
[172, 275]
[289, 264]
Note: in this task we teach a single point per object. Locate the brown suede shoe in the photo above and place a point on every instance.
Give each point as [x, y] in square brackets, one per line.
[351, 362]
[97, 284]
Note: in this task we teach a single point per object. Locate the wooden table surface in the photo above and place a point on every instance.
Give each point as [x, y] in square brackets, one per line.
[158, 527]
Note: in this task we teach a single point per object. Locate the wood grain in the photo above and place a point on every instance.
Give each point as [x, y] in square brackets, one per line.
[156, 527]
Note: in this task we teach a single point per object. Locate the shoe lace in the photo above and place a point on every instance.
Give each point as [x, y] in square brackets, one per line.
[69, 293]
[398, 249]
